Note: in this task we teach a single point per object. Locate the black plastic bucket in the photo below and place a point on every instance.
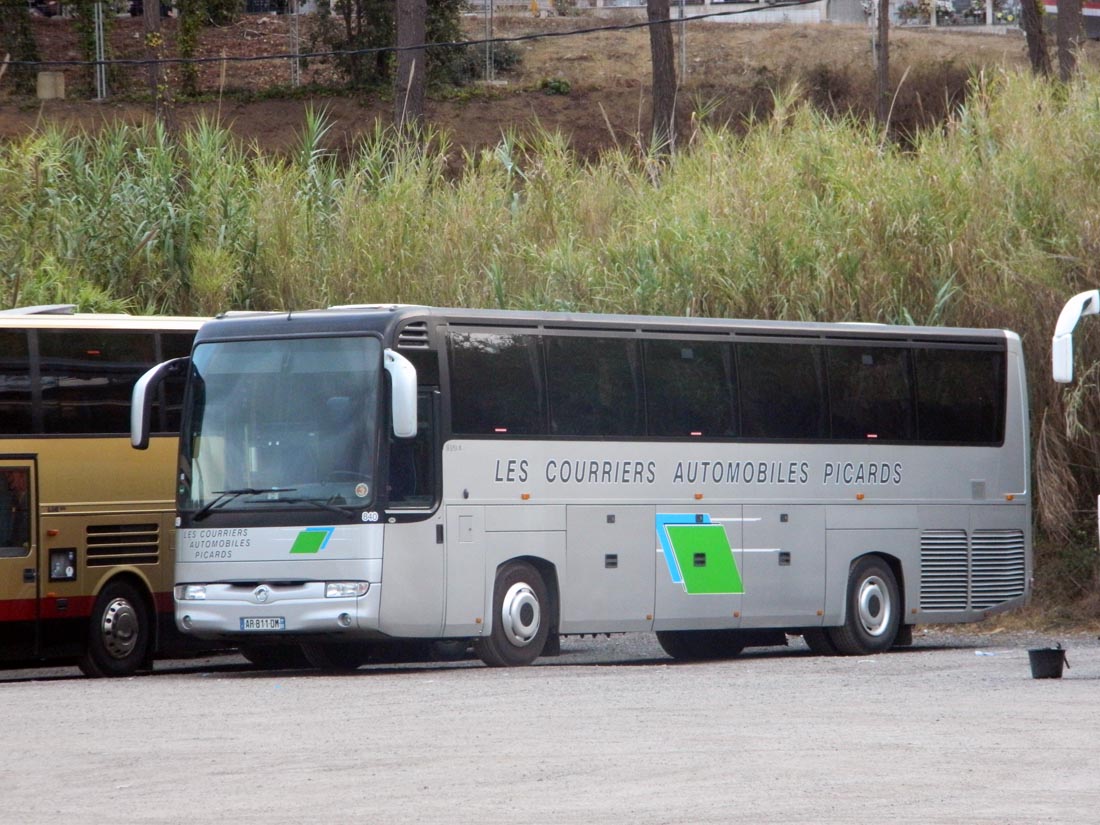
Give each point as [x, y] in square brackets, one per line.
[1047, 662]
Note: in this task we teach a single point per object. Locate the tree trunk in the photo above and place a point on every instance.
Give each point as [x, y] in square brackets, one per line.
[1032, 25]
[882, 63]
[408, 92]
[664, 75]
[1070, 32]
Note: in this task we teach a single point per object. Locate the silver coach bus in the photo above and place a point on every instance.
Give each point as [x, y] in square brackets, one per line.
[362, 474]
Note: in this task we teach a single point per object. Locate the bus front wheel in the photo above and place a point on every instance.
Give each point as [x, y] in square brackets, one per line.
[521, 612]
[119, 633]
[873, 611]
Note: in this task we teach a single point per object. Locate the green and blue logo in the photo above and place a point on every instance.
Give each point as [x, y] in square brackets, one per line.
[312, 540]
[698, 553]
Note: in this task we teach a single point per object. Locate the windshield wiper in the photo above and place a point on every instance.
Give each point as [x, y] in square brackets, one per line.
[316, 502]
[223, 497]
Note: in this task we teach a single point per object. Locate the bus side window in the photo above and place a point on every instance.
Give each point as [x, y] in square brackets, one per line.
[594, 386]
[16, 416]
[412, 462]
[690, 389]
[496, 384]
[782, 391]
[870, 393]
[87, 378]
[15, 519]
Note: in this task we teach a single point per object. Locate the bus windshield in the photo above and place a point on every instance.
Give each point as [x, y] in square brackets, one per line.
[288, 422]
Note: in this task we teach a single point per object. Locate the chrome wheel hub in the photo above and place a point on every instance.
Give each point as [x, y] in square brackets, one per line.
[119, 628]
[520, 614]
[875, 609]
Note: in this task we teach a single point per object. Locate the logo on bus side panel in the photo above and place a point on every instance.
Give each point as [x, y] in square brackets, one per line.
[698, 553]
[312, 540]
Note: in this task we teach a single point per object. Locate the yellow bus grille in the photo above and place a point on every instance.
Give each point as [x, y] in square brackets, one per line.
[110, 544]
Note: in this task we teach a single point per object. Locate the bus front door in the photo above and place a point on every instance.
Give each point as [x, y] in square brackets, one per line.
[18, 560]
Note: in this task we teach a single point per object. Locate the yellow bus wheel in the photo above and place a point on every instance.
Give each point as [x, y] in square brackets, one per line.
[119, 633]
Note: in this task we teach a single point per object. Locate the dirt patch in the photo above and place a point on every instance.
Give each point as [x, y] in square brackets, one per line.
[601, 80]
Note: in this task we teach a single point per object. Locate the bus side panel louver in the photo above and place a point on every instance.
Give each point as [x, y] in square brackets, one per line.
[413, 336]
[943, 570]
[998, 567]
[987, 570]
[110, 544]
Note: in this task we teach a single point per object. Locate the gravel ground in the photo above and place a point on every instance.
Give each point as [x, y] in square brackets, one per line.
[952, 730]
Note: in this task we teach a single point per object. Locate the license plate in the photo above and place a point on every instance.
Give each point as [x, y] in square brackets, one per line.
[265, 623]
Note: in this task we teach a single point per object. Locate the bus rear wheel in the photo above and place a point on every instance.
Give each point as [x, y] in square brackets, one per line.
[700, 645]
[520, 617]
[873, 611]
[119, 633]
[818, 641]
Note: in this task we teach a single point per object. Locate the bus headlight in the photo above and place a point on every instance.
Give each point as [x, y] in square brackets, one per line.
[344, 590]
[190, 592]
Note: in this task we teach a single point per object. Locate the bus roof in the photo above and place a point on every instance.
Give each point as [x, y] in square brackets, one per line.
[385, 319]
[17, 319]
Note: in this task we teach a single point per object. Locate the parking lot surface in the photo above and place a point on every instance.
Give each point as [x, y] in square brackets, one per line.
[952, 730]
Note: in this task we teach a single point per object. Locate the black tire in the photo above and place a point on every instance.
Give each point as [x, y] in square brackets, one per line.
[336, 657]
[818, 641]
[449, 650]
[276, 657]
[120, 633]
[905, 636]
[521, 618]
[873, 610]
[700, 645]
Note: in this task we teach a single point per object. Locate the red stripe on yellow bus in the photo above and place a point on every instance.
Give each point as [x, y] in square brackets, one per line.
[76, 607]
[18, 610]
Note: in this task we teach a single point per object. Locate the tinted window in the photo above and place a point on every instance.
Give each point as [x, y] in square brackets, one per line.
[870, 393]
[174, 345]
[689, 389]
[15, 384]
[15, 516]
[412, 463]
[781, 391]
[87, 377]
[960, 395]
[495, 384]
[593, 386]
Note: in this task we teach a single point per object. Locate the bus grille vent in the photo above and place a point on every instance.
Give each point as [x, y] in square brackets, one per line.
[998, 567]
[976, 574]
[110, 544]
[413, 336]
[943, 570]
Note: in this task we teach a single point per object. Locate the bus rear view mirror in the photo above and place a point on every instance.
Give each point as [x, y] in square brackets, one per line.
[403, 389]
[1076, 308]
[144, 396]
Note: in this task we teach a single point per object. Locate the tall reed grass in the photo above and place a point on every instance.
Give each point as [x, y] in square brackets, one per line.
[990, 219]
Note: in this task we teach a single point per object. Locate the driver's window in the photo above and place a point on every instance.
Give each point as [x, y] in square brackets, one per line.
[15, 516]
[412, 460]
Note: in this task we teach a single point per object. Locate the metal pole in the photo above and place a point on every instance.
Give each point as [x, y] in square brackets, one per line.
[296, 64]
[487, 8]
[100, 54]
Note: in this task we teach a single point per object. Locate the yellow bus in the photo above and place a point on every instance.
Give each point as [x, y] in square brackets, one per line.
[86, 523]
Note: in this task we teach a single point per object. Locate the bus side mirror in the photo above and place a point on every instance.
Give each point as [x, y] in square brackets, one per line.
[1077, 307]
[143, 398]
[403, 388]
